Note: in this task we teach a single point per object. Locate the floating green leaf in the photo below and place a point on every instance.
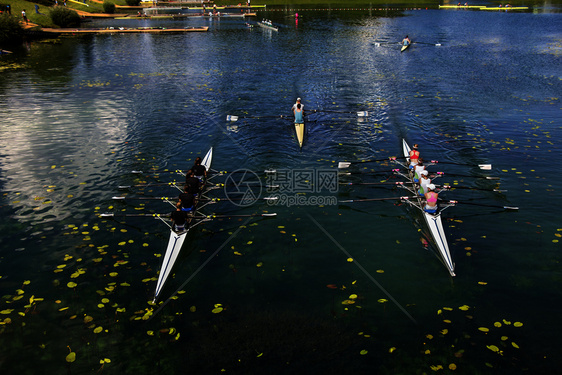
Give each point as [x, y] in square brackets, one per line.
[71, 357]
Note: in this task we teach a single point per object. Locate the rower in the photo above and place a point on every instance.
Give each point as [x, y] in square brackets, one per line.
[414, 156]
[179, 220]
[199, 170]
[186, 200]
[405, 42]
[418, 168]
[192, 183]
[298, 112]
[431, 200]
[424, 181]
[295, 105]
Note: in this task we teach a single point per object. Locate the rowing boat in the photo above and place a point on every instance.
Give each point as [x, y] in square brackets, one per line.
[504, 8]
[177, 238]
[267, 26]
[299, 129]
[404, 47]
[461, 6]
[433, 221]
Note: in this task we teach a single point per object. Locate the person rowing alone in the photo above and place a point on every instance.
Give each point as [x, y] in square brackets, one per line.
[297, 103]
[406, 41]
[299, 114]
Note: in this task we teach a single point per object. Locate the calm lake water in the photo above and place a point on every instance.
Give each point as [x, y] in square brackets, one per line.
[332, 288]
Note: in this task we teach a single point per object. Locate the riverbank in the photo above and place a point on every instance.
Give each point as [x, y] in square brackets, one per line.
[123, 30]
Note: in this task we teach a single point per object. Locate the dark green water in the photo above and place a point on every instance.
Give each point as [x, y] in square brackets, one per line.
[78, 116]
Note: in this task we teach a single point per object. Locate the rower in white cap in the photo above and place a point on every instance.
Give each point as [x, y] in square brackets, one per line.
[418, 168]
[298, 112]
[424, 181]
[295, 105]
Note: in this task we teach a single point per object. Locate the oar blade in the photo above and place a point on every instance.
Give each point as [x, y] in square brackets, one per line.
[510, 208]
[231, 118]
[343, 164]
[486, 167]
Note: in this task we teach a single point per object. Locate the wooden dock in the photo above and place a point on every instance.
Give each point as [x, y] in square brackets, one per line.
[126, 30]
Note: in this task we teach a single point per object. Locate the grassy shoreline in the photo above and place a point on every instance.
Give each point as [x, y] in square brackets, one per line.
[43, 19]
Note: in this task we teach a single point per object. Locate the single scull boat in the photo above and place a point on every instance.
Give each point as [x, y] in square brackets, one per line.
[299, 129]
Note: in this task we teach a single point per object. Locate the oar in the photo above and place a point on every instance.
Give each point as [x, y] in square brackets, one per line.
[176, 184]
[223, 216]
[117, 198]
[466, 175]
[193, 217]
[251, 184]
[483, 205]
[359, 113]
[376, 199]
[239, 199]
[246, 184]
[173, 183]
[134, 215]
[346, 164]
[159, 171]
[235, 118]
[450, 187]
[376, 183]
[481, 166]
[378, 44]
[267, 171]
[429, 44]
[374, 173]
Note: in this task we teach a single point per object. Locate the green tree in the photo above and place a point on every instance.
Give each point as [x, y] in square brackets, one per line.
[11, 32]
[64, 17]
[108, 7]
